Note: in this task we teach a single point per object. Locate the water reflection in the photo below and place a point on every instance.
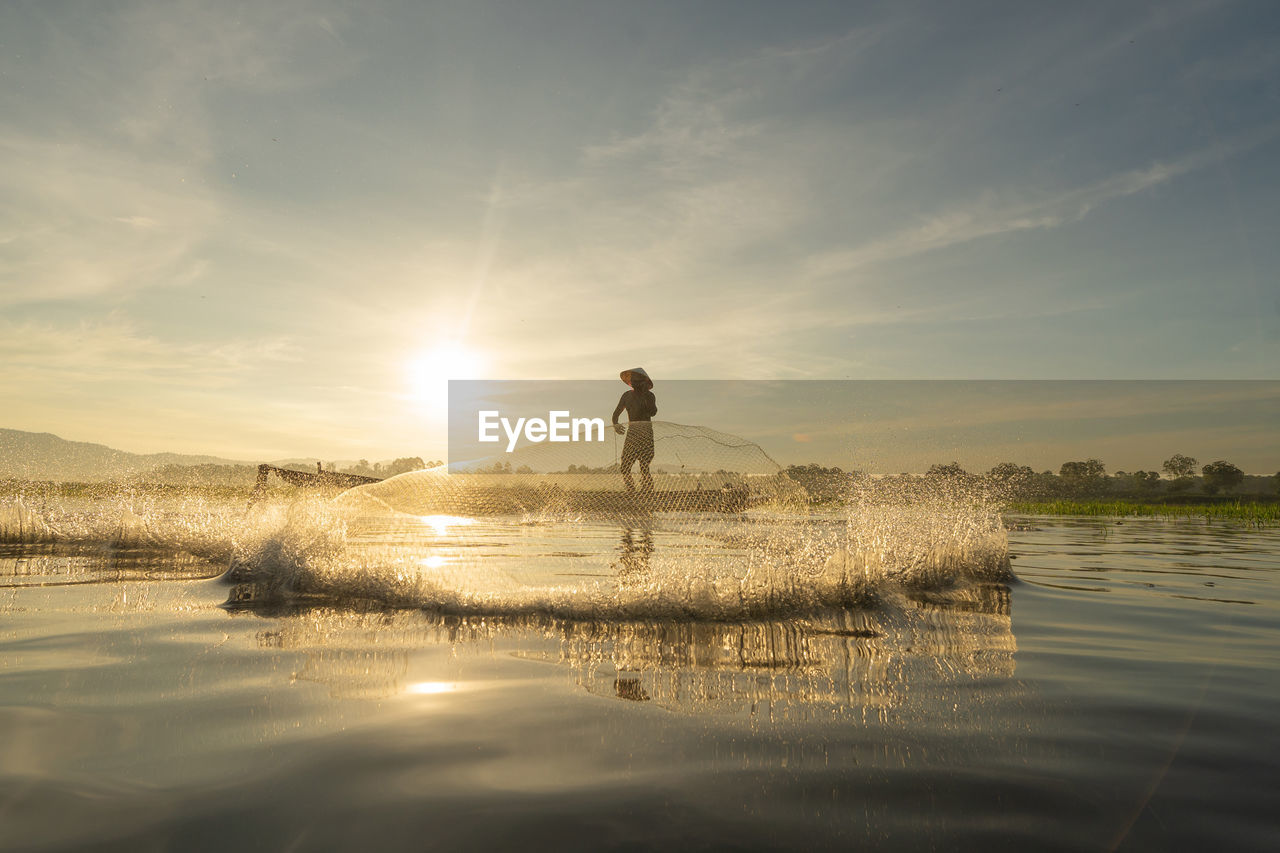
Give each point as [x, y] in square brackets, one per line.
[879, 659]
[634, 565]
[61, 564]
[343, 653]
[874, 658]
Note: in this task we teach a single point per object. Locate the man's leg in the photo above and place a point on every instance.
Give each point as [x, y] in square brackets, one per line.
[628, 459]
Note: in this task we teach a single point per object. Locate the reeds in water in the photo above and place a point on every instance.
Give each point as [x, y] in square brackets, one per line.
[1246, 511]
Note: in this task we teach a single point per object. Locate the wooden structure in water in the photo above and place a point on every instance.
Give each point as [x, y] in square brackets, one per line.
[318, 479]
[626, 503]
[481, 501]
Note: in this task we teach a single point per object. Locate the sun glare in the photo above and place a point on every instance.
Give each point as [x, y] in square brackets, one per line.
[441, 523]
[431, 688]
[427, 374]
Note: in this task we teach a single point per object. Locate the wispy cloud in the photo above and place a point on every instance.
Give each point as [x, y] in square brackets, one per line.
[78, 221]
[115, 350]
[721, 201]
[110, 192]
[993, 214]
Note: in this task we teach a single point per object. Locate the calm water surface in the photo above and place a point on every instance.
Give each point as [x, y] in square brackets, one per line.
[1121, 694]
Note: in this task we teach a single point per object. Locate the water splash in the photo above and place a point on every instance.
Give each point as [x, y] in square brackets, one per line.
[675, 566]
[752, 612]
[117, 516]
[552, 558]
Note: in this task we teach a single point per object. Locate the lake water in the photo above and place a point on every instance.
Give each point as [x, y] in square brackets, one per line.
[586, 685]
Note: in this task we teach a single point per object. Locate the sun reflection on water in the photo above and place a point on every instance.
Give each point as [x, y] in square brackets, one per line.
[440, 524]
[431, 688]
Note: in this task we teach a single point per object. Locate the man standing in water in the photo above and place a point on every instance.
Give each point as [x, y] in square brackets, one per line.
[640, 406]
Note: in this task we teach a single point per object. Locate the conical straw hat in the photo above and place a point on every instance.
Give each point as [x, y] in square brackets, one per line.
[635, 371]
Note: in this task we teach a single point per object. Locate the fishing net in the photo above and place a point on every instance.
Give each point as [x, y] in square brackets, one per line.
[689, 469]
[719, 532]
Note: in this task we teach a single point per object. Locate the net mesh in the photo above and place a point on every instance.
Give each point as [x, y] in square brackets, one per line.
[720, 533]
[689, 469]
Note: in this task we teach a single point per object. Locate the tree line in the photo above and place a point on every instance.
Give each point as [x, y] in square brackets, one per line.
[382, 470]
[1082, 478]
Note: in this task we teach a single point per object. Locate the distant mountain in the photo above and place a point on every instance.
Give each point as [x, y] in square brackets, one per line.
[44, 456]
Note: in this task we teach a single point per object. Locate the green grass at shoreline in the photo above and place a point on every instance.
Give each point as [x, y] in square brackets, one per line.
[1254, 513]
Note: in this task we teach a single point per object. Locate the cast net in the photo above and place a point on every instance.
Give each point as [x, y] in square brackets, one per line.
[720, 533]
[689, 469]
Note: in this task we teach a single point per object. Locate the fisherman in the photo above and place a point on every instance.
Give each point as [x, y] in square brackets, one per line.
[640, 406]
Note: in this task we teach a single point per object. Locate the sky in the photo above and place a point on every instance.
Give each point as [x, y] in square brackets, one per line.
[265, 230]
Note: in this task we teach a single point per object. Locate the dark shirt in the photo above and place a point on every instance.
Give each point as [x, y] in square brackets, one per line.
[639, 405]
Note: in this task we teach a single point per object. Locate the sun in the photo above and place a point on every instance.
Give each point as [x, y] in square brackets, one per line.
[427, 374]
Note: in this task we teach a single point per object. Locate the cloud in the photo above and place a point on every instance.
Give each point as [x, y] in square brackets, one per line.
[277, 47]
[77, 221]
[690, 126]
[111, 192]
[113, 350]
[994, 214]
[727, 216]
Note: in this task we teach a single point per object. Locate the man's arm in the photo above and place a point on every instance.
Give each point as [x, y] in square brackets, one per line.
[652, 403]
[622, 404]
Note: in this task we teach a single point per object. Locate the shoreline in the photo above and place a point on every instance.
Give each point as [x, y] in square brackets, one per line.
[1255, 512]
